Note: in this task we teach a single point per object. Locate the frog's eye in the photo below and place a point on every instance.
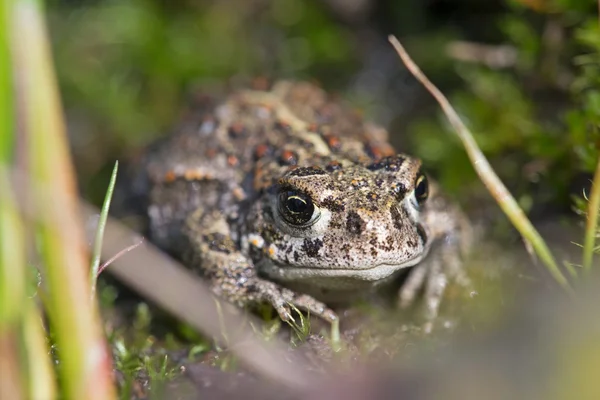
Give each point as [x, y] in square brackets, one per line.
[296, 207]
[421, 189]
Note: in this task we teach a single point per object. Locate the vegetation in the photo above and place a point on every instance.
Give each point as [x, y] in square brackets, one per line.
[43, 177]
[126, 68]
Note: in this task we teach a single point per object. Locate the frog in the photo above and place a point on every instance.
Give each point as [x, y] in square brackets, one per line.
[286, 196]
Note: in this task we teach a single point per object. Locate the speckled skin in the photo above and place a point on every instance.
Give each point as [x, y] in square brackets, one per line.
[220, 191]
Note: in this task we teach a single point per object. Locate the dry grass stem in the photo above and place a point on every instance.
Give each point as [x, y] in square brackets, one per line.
[591, 228]
[487, 175]
[177, 290]
[119, 254]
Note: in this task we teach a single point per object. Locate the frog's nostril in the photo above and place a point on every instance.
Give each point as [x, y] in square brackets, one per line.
[354, 223]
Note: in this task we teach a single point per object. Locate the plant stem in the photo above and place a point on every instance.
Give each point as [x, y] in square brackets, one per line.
[40, 375]
[10, 378]
[505, 200]
[591, 227]
[12, 247]
[6, 101]
[97, 251]
[85, 362]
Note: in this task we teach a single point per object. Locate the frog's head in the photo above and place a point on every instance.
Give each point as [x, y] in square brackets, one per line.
[342, 223]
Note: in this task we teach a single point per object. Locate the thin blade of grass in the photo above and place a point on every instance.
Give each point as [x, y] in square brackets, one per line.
[15, 379]
[41, 382]
[505, 200]
[12, 291]
[85, 362]
[163, 281]
[6, 95]
[10, 378]
[591, 227]
[119, 254]
[97, 250]
[12, 235]
[27, 362]
[570, 269]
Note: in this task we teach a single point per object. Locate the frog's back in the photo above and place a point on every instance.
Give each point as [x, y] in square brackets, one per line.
[228, 152]
[294, 123]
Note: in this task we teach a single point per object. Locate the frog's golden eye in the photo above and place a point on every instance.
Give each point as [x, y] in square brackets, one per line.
[421, 189]
[296, 207]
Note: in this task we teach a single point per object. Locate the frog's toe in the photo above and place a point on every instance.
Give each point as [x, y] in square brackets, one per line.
[432, 277]
[446, 267]
[413, 284]
[278, 297]
[282, 298]
[284, 311]
[457, 273]
[434, 289]
[314, 307]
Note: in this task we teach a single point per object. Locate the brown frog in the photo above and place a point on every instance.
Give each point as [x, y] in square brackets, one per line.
[287, 197]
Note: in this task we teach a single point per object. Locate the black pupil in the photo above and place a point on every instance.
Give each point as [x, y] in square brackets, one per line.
[295, 207]
[422, 189]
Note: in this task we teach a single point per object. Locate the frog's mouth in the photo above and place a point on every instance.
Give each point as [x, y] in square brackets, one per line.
[326, 276]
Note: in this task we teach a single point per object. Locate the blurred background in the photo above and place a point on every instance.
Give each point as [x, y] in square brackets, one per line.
[523, 74]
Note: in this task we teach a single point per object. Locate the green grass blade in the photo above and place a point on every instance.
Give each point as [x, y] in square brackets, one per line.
[6, 102]
[41, 382]
[12, 247]
[12, 257]
[97, 250]
[591, 228]
[85, 362]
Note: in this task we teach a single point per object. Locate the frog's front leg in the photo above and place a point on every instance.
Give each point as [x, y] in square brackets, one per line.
[232, 275]
[450, 234]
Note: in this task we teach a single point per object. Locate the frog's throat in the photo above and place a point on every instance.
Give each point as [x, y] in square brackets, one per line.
[287, 273]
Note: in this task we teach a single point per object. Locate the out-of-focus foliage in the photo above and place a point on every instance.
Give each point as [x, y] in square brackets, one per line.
[128, 67]
[584, 119]
[128, 62]
[538, 120]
